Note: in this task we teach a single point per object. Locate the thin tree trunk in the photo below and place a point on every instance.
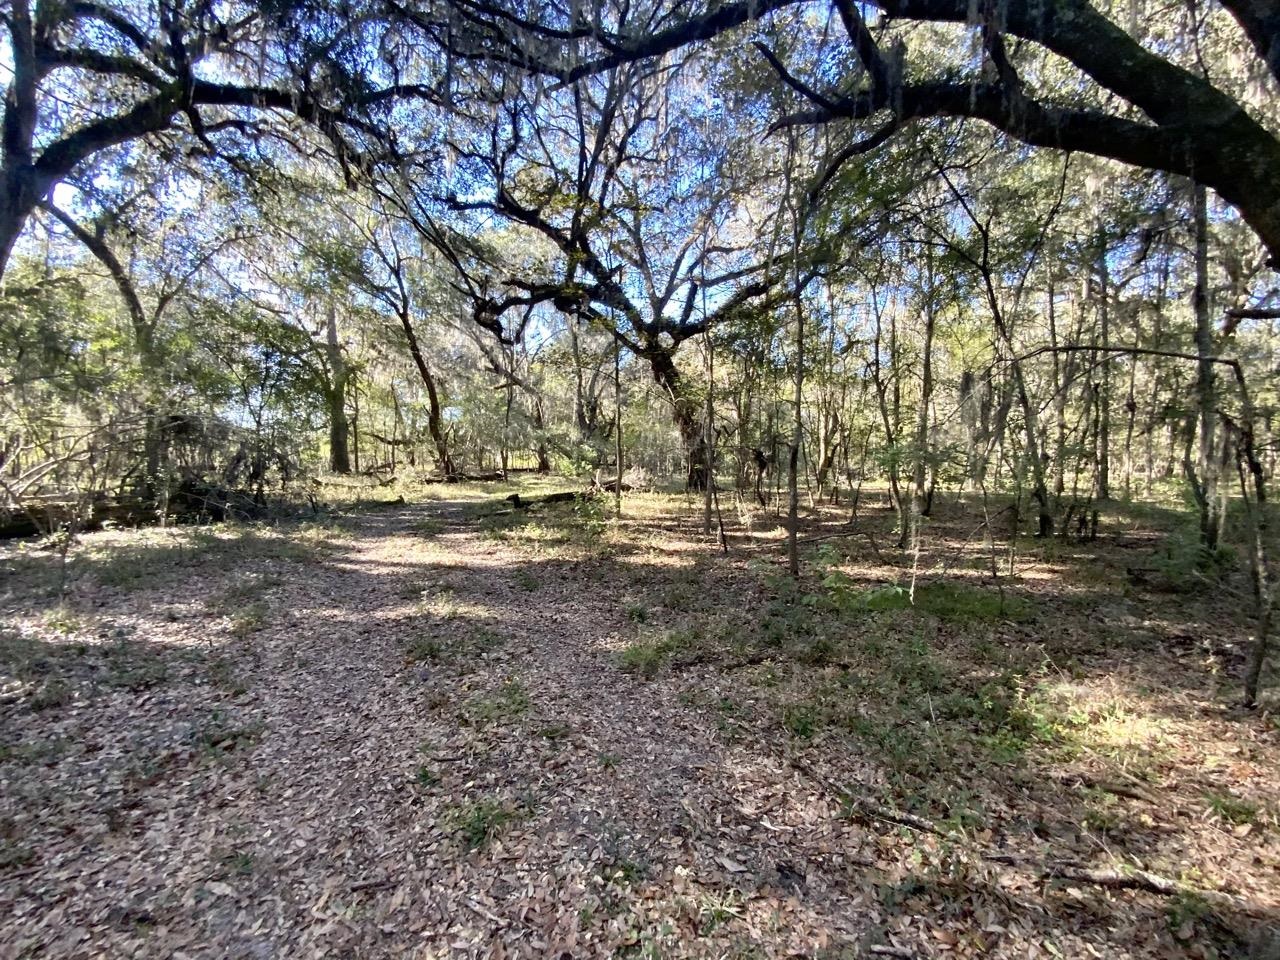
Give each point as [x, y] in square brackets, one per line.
[920, 499]
[1203, 476]
[709, 433]
[617, 426]
[1103, 446]
[336, 396]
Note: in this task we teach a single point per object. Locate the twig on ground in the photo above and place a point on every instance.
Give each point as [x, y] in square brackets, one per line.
[1123, 877]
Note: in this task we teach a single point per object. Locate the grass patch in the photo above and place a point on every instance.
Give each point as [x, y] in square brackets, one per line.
[247, 589]
[51, 694]
[134, 666]
[478, 824]
[1231, 809]
[508, 703]
[801, 720]
[248, 620]
[237, 863]
[949, 602]
[647, 656]
[424, 650]
[464, 645]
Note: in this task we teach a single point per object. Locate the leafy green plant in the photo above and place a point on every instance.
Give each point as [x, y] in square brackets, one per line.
[478, 823]
[801, 720]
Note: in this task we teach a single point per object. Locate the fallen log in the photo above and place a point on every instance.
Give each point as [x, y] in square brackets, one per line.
[40, 517]
[520, 503]
[353, 484]
[611, 486]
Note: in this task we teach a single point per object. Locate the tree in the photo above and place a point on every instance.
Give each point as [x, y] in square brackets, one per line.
[93, 80]
[637, 245]
[1143, 108]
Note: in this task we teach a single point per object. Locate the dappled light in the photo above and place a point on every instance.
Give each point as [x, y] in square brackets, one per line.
[598, 737]
[724, 479]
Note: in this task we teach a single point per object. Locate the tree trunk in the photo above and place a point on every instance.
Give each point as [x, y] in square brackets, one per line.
[920, 500]
[617, 425]
[435, 423]
[797, 428]
[685, 413]
[336, 397]
[708, 434]
[1103, 445]
[540, 451]
[1204, 475]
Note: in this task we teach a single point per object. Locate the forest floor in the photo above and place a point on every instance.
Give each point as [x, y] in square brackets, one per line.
[447, 728]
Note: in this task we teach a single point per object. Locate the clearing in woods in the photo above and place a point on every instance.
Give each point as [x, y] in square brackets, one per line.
[453, 729]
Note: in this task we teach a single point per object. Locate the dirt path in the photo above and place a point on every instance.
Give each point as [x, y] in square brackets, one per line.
[417, 744]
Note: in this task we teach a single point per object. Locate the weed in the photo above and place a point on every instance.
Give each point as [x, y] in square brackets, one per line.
[412, 590]
[948, 601]
[131, 666]
[1102, 811]
[637, 612]
[555, 731]
[47, 752]
[247, 589]
[646, 657]
[425, 777]
[480, 822]
[1183, 911]
[482, 640]
[222, 673]
[14, 856]
[219, 736]
[624, 871]
[718, 909]
[609, 761]
[1231, 808]
[64, 621]
[509, 702]
[237, 862]
[424, 650]
[801, 720]
[589, 512]
[52, 694]
[248, 619]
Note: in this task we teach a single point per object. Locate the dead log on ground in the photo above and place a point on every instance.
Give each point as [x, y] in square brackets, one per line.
[520, 503]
